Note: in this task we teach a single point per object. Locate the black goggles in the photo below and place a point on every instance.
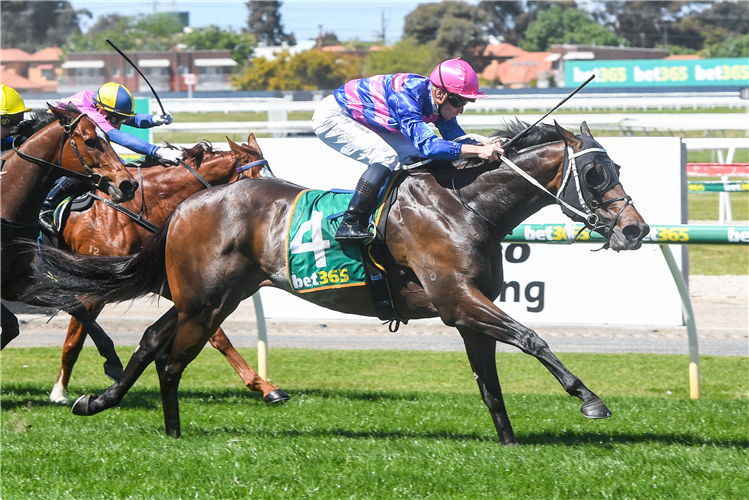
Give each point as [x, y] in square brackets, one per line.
[8, 121]
[454, 100]
[115, 119]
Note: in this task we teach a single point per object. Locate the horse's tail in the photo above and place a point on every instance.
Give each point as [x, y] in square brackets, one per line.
[63, 278]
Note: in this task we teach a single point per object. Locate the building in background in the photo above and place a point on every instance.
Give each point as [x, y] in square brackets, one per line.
[163, 69]
[31, 73]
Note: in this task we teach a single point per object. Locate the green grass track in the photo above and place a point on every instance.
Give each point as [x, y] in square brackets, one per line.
[380, 424]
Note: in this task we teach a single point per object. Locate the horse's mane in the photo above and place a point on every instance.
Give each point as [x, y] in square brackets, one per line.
[540, 134]
[33, 122]
[202, 148]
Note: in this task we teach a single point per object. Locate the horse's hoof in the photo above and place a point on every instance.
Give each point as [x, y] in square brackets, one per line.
[81, 405]
[595, 409]
[113, 371]
[276, 396]
[58, 399]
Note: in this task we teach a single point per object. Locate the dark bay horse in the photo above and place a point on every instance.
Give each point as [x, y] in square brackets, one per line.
[444, 258]
[102, 230]
[71, 145]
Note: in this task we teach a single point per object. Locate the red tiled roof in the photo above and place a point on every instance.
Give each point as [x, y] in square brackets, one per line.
[47, 54]
[503, 50]
[519, 70]
[13, 55]
[20, 83]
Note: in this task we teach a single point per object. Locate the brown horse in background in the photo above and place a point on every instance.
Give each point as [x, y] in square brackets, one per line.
[102, 230]
[443, 258]
[74, 146]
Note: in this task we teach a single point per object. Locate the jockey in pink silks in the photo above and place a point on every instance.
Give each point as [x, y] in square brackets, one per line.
[381, 121]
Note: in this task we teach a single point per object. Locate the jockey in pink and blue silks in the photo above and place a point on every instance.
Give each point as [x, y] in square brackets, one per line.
[381, 121]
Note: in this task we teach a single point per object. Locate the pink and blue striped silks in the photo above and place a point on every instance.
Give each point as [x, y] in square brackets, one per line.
[401, 103]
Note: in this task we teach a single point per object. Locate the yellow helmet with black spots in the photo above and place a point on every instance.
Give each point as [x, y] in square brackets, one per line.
[115, 98]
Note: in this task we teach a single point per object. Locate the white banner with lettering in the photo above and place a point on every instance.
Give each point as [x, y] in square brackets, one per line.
[552, 284]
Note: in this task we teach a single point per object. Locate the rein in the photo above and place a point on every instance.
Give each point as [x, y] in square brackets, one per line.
[95, 179]
[195, 173]
[137, 218]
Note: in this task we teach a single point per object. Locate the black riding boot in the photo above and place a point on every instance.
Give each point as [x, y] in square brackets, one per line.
[353, 228]
[64, 188]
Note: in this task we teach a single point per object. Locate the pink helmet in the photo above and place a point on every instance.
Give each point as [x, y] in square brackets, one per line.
[457, 77]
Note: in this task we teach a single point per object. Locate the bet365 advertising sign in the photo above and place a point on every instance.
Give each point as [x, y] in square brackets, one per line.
[659, 72]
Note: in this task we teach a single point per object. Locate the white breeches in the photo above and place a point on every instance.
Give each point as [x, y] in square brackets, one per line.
[338, 130]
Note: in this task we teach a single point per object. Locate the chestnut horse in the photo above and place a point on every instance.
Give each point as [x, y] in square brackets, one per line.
[102, 230]
[443, 240]
[74, 146]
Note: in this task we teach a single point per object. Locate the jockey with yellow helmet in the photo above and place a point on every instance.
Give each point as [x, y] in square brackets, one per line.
[110, 107]
[381, 121]
[12, 109]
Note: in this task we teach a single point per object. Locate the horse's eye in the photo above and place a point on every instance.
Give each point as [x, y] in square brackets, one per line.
[90, 143]
[595, 176]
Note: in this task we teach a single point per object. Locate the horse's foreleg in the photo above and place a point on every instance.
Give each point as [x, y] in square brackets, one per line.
[71, 349]
[189, 339]
[253, 381]
[156, 338]
[478, 313]
[9, 324]
[481, 352]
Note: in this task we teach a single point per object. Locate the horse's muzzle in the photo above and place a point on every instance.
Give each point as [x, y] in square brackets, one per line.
[124, 192]
[628, 237]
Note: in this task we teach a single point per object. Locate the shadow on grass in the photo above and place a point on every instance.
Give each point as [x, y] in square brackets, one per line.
[570, 439]
[16, 396]
[584, 438]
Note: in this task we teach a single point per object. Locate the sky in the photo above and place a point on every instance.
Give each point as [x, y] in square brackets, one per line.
[348, 19]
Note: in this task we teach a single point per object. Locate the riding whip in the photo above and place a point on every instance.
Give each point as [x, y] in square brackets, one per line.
[522, 133]
[146, 79]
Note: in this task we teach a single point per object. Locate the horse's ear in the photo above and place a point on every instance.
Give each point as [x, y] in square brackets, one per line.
[235, 147]
[568, 137]
[252, 142]
[63, 116]
[585, 130]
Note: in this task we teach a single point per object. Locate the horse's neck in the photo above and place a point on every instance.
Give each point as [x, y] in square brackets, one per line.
[166, 188]
[507, 198]
[26, 184]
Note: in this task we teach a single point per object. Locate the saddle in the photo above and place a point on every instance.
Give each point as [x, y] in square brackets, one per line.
[80, 203]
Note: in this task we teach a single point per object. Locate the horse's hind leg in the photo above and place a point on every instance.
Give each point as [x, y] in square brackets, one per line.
[9, 324]
[156, 337]
[253, 381]
[481, 352]
[71, 349]
[104, 344]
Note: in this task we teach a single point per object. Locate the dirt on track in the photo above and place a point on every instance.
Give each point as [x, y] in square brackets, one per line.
[720, 304]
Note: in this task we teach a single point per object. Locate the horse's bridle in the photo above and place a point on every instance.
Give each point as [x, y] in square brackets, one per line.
[242, 168]
[587, 196]
[93, 178]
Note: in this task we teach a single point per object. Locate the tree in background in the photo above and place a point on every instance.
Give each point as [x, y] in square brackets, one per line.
[509, 19]
[32, 26]
[264, 22]
[308, 70]
[214, 38]
[141, 32]
[405, 57]
[570, 26]
[646, 24]
[720, 25]
[455, 28]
